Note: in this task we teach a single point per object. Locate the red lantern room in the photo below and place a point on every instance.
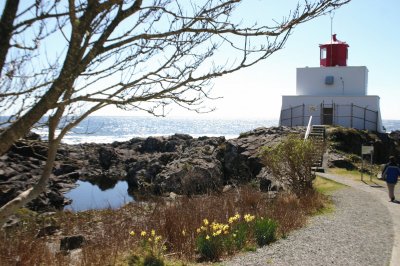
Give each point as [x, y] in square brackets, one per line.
[334, 53]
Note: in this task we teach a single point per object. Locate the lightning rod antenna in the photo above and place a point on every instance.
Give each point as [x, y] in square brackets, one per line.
[331, 15]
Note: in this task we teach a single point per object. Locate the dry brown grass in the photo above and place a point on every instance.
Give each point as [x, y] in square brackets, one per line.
[107, 232]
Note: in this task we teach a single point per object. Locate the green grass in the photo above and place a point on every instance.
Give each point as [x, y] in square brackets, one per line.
[355, 175]
[326, 186]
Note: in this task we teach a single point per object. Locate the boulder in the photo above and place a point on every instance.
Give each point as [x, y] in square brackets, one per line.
[106, 156]
[71, 242]
[48, 231]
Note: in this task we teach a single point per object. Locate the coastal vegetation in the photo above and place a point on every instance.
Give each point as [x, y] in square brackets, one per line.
[174, 232]
[290, 161]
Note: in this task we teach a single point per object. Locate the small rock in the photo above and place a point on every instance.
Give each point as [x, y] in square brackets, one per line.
[47, 231]
[227, 188]
[71, 242]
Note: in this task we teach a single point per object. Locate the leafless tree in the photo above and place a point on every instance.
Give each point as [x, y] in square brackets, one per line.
[65, 59]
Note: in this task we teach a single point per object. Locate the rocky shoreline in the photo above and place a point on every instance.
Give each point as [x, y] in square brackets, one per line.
[177, 164]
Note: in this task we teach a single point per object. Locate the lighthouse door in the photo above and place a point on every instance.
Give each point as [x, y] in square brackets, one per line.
[327, 116]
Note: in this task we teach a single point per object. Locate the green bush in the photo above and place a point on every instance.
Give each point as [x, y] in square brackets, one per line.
[209, 248]
[147, 260]
[240, 234]
[210, 240]
[152, 260]
[265, 231]
[290, 162]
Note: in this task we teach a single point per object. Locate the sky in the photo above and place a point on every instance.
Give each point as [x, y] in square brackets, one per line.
[370, 27]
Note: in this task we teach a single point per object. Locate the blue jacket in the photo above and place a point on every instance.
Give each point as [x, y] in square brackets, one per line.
[392, 172]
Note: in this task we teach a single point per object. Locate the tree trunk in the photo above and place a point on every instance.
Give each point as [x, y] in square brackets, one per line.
[31, 193]
[6, 29]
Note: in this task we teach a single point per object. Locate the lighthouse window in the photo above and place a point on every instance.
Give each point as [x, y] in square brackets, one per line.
[329, 80]
[323, 53]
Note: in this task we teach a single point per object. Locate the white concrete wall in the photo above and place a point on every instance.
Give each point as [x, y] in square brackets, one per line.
[347, 81]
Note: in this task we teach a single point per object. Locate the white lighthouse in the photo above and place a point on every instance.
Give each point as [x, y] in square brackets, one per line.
[333, 93]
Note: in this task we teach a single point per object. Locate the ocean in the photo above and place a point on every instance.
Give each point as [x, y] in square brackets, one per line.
[107, 129]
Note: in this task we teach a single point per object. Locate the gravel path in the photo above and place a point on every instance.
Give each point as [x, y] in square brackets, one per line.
[359, 232]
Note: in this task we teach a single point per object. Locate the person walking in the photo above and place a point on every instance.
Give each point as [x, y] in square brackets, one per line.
[391, 173]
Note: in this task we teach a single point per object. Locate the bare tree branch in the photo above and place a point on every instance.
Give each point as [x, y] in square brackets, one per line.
[58, 57]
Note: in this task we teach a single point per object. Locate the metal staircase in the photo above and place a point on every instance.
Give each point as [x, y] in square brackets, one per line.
[317, 134]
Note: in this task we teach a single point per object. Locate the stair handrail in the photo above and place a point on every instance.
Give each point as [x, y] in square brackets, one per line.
[308, 128]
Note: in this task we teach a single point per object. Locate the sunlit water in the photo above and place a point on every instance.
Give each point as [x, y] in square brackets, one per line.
[109, 129]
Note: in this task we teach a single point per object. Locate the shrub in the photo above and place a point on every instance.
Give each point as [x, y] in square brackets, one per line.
[216, 239]
[290, 162]
[151, 260]
[239, 235]
[151, 249]
[265, 231]
[210, 241]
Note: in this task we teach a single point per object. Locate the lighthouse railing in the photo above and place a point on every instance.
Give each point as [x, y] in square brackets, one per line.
[347, 115]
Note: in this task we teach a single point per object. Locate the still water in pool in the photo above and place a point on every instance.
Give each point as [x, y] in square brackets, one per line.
[87, 196]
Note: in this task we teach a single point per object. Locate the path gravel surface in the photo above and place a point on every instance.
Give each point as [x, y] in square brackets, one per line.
[361, 231]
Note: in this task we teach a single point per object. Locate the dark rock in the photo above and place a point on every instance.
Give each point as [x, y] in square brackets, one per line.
[7, 192]
[26, 149]
[32, 136]
[50, 200]
[106, 156]
[235, 165]
[267, 182]
[350, 140]
[181, 136]
[196, 170]
[65, 169]
[47, 231]
[71, 242]
[11, 222]
[265, 185]
[152, 144]
[342, 164]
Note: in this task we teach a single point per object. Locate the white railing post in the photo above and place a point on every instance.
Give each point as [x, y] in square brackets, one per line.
[308, 128]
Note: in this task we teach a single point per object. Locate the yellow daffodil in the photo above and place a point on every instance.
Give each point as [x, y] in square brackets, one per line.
[198, 230]
[248, 218]
[132, 233]
[205, 221]
[153, 233]
[207, 237]
[143, 233]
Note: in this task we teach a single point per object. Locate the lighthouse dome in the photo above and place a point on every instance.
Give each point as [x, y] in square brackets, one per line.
[333, 53]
